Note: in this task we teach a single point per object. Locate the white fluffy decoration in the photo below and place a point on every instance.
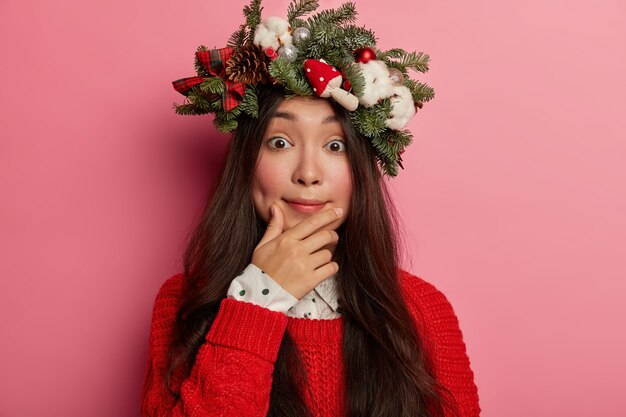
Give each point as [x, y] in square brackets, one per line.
[378, 85]
[403, 108]
[272, 32]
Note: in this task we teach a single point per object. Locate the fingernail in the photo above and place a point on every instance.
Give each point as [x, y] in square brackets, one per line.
[339, 211]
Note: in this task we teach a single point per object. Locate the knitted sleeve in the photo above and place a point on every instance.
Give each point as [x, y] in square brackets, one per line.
[232, 373]
[439, 328]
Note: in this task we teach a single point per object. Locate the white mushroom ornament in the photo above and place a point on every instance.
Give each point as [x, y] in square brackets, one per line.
[326, 82]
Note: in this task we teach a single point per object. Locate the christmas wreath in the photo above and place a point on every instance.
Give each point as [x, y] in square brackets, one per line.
[326, 55]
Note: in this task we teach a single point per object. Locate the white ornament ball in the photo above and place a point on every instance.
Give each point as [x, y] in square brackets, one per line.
[300, 34]
[289, 52]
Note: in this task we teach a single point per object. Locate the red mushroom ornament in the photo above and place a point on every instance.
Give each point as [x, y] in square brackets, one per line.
[326, 82]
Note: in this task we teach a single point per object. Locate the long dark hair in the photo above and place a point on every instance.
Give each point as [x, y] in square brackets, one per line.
[387, 371]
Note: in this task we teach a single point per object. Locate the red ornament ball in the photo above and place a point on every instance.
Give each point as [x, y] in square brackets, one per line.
[345, 84]
[270, 52]
[365, 55]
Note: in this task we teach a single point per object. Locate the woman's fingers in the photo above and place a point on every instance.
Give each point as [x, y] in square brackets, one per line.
[308, 226]
[275, 225]
[300, 287]
[319, 239]
[320, 258]
[325, 271]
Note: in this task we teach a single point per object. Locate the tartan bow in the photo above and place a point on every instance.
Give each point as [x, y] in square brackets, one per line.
[214, 62]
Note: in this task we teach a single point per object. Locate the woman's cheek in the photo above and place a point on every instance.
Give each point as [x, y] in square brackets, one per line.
[343, 185]
[266, 187]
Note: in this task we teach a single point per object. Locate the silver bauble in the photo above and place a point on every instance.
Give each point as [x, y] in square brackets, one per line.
[300, 34]
[289, 52]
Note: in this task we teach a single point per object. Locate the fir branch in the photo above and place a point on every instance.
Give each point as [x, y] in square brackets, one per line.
[252, 12]
[238, 38]
[250, 102]
[346, 13]
[299, 8]
[397, 140]
[390, 168]
[326, 34]
[345, 59]
[313, 49]
[296, 23]
[291, 78]
[392, 143]
[231, 115]
[397, 65]
[404, 138]
[227, 121]
[356, 79]
[331, 50]
[336, 44]
[421, 92]
[200, 70]
[356, 37]
[386, 158]
[385, 146]
[391, 53]
[217, 105]
[224, 125]
[416, 61]
[372, 121]
[200, 100]
[213, 85]
[187, 109]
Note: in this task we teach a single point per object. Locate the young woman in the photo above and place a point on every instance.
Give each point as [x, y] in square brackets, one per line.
[291, 302]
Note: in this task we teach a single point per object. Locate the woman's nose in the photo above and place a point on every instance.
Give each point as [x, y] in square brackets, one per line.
[308, 170]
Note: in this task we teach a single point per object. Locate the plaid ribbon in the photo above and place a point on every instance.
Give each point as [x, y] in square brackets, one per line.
[214, 61]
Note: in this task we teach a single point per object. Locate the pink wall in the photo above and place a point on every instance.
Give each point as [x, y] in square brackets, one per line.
[513, 197]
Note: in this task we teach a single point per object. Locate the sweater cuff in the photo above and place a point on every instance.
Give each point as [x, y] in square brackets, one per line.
[248, 327]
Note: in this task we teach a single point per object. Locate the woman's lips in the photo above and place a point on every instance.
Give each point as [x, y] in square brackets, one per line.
[306, 206]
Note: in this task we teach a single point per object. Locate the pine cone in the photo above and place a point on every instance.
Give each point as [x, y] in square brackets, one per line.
[248, 65]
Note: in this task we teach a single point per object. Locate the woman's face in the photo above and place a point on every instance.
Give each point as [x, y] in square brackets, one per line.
[302, 165]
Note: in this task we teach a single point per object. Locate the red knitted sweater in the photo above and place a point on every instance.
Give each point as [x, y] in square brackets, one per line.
[232, 374]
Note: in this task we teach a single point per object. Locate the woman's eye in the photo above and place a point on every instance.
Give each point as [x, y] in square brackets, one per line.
[337, 146]
[279, 143]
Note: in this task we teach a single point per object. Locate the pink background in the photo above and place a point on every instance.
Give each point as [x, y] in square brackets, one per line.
[513, 195]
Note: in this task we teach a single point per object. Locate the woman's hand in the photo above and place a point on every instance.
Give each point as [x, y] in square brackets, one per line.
[295, 258]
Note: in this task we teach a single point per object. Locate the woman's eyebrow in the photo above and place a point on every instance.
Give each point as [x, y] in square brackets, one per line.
[286, 115]
[332, 118]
